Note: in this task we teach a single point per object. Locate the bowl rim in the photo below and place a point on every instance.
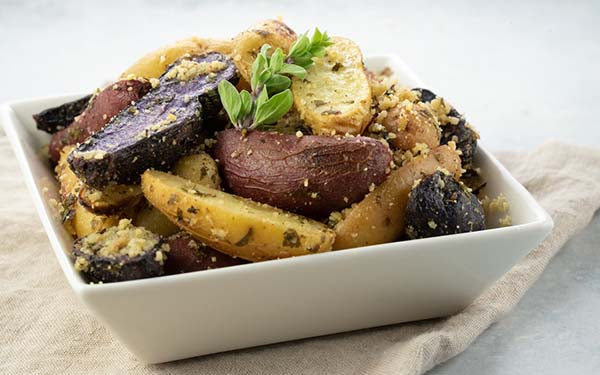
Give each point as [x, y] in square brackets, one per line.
[10, 121]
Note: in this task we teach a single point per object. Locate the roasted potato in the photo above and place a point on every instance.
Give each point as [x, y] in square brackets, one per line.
[187, 254]
[57, 118]
[111, 199]
[147, 216]
[247, 44]
[235, 226]
[412, 123]
[440, 205]
[199, 168]
[155, 63]
[454, 126]
[335, 95]
[77, 219]
[106, 104]
[379, 218]
[85, 221]
[160, 128]
[309, 175]
[119, 253]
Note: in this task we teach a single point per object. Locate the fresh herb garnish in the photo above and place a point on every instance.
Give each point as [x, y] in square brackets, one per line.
[271, 97]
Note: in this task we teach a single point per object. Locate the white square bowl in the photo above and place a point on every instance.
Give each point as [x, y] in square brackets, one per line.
[174, 317]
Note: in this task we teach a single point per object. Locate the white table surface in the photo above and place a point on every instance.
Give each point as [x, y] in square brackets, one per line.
[523, 72]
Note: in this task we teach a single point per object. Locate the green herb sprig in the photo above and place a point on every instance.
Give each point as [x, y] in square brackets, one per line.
[271, 97]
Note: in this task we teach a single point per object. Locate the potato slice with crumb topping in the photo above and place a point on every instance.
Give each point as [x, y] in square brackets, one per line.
[335, 96]
[154, 64]
[233, 225]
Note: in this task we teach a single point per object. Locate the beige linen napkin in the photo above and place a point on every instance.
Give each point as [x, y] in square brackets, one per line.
[45, 329]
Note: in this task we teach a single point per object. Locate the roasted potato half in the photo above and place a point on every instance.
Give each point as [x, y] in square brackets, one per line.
[310, 175]
[154, 64]
[235, 226]
[247, 44]
[335, 95]
[379, 218]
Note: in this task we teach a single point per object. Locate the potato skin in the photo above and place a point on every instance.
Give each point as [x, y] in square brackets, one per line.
[187, 254]
[154, 64]
[247, 44]
[54, 119]
[308, 175]
[234, 225]
[439, 205]
[379, 218]
[110, 101]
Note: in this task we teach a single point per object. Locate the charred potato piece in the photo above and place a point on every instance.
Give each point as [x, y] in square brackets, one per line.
[465, 138]
[379, 218]
[120, 253]
[160, 128]
[110, 101]
[309, 175]
[155, 63]
[454, 127]
[199, 168]
[412, 123]
[247, 44]
[233, 225]
[111, 199]
[54, 119]
[188, 255]
[335, 95]
[439, 205]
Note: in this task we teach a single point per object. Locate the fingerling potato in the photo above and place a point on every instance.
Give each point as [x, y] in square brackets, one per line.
[235, 226]
[309, 175]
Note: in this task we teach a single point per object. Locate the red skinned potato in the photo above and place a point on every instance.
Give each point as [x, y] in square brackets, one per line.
[188, 255]
[110, 101]
[308, 175]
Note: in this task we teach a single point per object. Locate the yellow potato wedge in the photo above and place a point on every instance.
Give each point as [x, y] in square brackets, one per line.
[235, 226]
[154, 64]
[199, 168]
[247, 44]
[379, 218]
[335, 96]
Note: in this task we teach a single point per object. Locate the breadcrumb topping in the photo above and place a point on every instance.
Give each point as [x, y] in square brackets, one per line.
[188, 69]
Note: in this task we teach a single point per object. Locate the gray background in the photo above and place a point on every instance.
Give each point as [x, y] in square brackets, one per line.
[523, 72]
